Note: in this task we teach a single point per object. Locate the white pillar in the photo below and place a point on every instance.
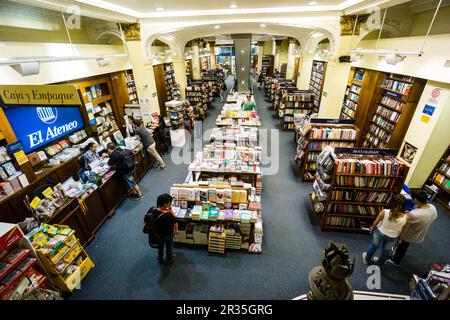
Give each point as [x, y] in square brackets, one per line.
[196, 68]
[276, 62]
[179, 66]
[290, 70]
[212, 54]
[260, 56]
[305, 71]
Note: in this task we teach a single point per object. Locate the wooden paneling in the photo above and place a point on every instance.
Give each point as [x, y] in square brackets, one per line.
[158, 71]
[113, 192]
[96, 213]
[120, 92]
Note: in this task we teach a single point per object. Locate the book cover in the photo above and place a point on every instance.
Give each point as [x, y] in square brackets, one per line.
[220, 196]
[243, 206]
[235, 196]
[174, 192]
[212, 195]
[243, 196]
[204, 195]
[183, 193]
[191, 194]
[197, 194]
[183, 204]
[206, 206]
[227, 193]
[204, 216]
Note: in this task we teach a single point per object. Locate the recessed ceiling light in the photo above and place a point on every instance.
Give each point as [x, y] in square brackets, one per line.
[233, 6]
[312, 3]
[262, 25]
[159, 9]
[216, 27]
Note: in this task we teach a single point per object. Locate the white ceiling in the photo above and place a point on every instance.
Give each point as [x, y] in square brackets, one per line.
[177, 5]
[192, 8]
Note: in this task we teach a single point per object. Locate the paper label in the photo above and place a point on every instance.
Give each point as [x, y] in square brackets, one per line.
[35, 202]
[47, 192]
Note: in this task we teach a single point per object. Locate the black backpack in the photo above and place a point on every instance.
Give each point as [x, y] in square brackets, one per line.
[127, 160]
[154, 240]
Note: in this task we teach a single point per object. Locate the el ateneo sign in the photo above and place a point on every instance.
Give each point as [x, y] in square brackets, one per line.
[41, 114]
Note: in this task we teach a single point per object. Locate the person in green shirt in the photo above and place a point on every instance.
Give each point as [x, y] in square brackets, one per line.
[249, 104]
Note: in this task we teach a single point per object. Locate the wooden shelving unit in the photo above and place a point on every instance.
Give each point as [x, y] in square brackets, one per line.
[440, 177]
[392, 114]
[340, 211]
[307, 162]
[131, 87]
[267, 65]
[316, 82]
[166, 86]
[294, 102]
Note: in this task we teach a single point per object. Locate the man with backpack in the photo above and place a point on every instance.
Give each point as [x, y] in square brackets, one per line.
[161, 226]
[124, 162]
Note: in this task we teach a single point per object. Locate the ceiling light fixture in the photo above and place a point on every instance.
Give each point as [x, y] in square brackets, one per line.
[312, 3]
[233, 6]
[216, 27]
[159, 9]
[262, 25]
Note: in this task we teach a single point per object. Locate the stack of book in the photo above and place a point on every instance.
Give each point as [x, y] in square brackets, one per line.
[217, 239]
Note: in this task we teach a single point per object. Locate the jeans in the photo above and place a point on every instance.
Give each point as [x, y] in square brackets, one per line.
[152, 150]
[380, 239]
[168, 243]
[129, 179]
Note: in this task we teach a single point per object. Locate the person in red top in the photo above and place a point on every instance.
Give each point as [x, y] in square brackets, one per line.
[166, 226]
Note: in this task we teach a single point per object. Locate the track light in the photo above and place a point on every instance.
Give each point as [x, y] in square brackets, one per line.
[393, 58]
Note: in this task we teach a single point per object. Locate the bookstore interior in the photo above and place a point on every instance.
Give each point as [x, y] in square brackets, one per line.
[294, 155]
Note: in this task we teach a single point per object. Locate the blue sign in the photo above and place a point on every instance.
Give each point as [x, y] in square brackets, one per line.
[37, 126]
[429, 110]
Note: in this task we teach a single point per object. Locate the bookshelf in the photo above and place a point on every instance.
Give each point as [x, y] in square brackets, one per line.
[316, 82]
[392, 113]
[205, 63]
[196, 95]
[315, 136]
[440, 179]
[294, 102]
[352, 186]
[277, 88]
[99, 102]
[175, 111]
[215, 78]
[267, 65]
[166, 86]
[131, 87]
[188, 70]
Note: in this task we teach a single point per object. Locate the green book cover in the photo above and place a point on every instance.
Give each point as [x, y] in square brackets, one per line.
[204, 215]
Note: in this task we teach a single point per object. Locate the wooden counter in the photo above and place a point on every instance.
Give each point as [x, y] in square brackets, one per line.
[100, 204]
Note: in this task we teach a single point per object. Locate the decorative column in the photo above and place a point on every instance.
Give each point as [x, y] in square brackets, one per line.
[337, 73]
[290, 70]
[260, 56]
[144, 77]
[276, 63]
[305, 71]
[196, 68]
[212, 54]
[179, 66]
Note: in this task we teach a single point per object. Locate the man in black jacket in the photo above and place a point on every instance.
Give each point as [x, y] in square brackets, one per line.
[166, 226]
[124, 162]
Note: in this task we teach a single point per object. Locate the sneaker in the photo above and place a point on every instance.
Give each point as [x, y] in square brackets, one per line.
[364, 258]
[393, 262]
[136, 197]
[171, 260]
[375, 259]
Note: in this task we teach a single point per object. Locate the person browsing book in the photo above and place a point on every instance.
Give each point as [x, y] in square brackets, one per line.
[421, 219]
[249, 104]
[147, 140]
[166, 226]
[388, 227]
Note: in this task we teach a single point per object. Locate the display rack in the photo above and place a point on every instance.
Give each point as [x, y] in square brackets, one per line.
[62, 255]
[241, 136]
[315, 136]
[393, 112]
[172, 88]
[240, 117]
[353, 185]
[439, 180]
[20, 269]
[294, 102]
[316, 82]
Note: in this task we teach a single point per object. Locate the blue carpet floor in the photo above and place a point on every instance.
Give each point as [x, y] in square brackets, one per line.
[126, 267]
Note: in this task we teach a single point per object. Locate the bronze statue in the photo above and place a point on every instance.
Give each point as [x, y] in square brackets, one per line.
[329, 282]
